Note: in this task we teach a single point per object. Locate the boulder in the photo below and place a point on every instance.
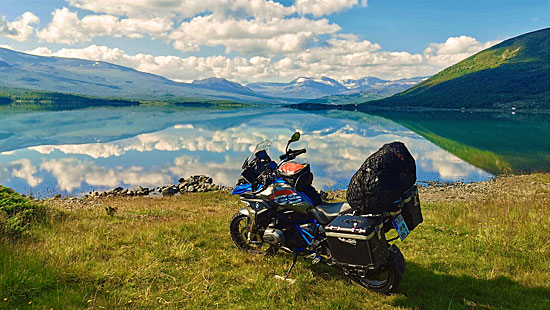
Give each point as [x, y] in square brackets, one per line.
[170, 191]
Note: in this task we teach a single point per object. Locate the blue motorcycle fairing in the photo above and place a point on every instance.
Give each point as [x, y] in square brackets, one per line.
[239, 189]
[243, 188]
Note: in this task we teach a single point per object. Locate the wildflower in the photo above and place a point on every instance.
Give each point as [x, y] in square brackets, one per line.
[6, 299]
[30, 302]
[89, 300]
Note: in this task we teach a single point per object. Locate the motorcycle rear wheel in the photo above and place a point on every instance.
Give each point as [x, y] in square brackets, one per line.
[384, 282]
[239, 234]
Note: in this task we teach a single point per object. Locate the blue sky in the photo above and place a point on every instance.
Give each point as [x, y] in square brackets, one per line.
[259, 40]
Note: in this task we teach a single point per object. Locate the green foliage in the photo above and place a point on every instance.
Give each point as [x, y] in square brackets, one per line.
[29, 99]
[17, 213]
[513, 73]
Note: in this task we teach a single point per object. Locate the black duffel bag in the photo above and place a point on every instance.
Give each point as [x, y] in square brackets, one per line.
[381, 180]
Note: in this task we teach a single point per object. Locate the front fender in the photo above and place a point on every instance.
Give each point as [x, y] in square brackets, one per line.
[244, 211]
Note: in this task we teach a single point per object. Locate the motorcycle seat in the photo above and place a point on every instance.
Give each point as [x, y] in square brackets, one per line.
[326, 211]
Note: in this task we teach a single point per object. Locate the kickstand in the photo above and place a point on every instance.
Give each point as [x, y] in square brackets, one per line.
[293, 264]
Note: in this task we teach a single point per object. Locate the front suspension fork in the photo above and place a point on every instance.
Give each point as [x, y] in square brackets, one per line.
[251, 223]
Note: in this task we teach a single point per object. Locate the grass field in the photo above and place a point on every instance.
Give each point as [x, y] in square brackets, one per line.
[483, 246]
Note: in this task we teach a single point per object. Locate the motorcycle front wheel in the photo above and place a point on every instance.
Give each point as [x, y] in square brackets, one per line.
[384, 282]
[238, 227]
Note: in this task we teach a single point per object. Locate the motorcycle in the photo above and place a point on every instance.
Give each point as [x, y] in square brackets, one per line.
[282, 211]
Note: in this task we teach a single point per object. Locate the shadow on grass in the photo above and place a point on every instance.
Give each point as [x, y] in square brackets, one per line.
[425, 289]
[422, 288]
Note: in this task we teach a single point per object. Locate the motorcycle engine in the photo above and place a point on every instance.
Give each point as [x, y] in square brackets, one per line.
[274, 236]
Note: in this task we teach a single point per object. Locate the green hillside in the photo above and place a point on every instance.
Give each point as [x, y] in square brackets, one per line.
[514, 73]
[17, 99]
[45, 100]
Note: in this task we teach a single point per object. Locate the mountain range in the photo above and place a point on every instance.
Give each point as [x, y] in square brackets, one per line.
[513, 73]
[367, 89]
[306, 88]
[103, 79]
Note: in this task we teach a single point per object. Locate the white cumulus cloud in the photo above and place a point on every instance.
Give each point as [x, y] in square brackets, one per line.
[66, 27]
[343, 56]
[20, 29]
[266, 40]
[250, 36]
[257, 36]
[454, 49]
[235, 8]
[325, 7]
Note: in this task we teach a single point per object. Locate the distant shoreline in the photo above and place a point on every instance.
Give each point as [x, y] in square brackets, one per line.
[363, 108]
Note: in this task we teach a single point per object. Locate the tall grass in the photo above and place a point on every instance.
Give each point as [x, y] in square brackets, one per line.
[489, 252]
[17, 213]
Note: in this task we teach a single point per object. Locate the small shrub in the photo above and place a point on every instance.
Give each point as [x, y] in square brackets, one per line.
[110, 210]
[18, 212]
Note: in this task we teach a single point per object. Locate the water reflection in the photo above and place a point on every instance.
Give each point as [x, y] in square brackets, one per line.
[496, 142]
[161, 146]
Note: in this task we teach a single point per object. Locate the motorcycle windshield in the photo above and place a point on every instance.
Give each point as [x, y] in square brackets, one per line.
[262, 146]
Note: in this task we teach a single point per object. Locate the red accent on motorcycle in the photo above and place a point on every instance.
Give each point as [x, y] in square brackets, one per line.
[285, 197]
[284, 192]
[291, 168]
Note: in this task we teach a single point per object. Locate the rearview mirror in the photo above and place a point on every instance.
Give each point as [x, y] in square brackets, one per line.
[295, 137]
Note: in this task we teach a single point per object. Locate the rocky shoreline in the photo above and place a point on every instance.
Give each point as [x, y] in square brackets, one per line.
[429, 190]
[195, 183]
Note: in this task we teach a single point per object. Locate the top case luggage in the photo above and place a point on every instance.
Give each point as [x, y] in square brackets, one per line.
[382, 179]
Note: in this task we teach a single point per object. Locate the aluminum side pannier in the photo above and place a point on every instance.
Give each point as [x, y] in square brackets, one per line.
[357, 242]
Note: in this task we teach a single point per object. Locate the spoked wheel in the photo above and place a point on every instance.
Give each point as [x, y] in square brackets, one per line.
[384, 282]
[238, 227]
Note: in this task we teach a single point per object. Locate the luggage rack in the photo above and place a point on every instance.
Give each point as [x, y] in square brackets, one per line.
[404, 202]
[408, 195]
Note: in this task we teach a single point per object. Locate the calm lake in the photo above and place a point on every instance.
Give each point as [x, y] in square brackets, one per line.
[73, 152]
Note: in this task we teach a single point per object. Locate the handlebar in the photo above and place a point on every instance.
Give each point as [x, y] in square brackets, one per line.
[291, 154]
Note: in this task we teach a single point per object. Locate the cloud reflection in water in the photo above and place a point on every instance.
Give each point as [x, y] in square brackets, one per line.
[336, 148]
